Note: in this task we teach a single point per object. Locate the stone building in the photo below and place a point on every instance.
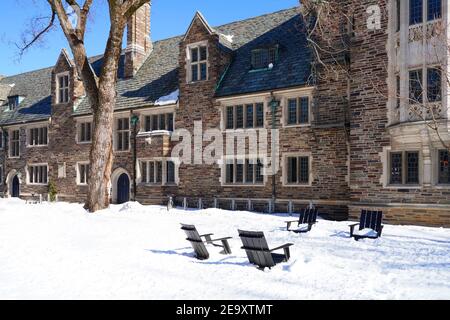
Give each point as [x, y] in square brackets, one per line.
[340, 154]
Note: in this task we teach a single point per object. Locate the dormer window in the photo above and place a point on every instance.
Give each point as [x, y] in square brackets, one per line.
[13, 102]
[264, 58]
[198, 63]
[62, 88]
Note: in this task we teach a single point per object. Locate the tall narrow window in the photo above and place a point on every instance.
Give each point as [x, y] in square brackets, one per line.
[199, 65]
[63, 88]
[292, 111]
[396, 168]
[434, 91]
[123, 134]
[399, 8]
[444, 167]
[85, 132]
[259, 115]
[412, 174]
[415, 87]
[170, 174]
[415, 11]
[14, 145]
[1, 139]
[398, 92]
[230, 118]
[249, 116]
[83, 173]
[434, 9]
[239, 117]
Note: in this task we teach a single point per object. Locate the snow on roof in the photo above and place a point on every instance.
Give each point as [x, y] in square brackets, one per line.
[171, 98]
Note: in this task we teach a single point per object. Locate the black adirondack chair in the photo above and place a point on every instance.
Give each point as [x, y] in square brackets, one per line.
[199, 246]
[369, 220]
[258, 252]
[308, 217]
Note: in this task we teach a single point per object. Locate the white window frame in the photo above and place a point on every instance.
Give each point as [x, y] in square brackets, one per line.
[189, 62]
[57, 95]
[10, 142]
[28, 136]
[156, 112]
[285, 167]
[77, 168]
[164, 161]
[28, 173]
[78, 130]
[116, 132]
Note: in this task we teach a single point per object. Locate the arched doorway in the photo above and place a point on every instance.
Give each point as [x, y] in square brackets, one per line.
[13, 184]
[15, 187]
[123, 189]
[120, 186]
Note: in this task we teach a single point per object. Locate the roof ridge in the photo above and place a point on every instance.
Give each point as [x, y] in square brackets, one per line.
[99, 56]
[26, 72]
[256, 17]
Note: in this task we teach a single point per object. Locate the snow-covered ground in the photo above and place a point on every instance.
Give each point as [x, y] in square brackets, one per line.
[57, 251]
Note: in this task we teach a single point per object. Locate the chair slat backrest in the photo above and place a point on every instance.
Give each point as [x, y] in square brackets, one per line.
[256, 248]
[371, 219]
[308, 215]
[194, 238]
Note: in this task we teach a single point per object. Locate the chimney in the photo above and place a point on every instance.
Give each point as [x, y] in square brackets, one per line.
[139, 44]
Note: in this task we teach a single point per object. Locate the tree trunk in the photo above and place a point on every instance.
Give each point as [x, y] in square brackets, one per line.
[101, 156]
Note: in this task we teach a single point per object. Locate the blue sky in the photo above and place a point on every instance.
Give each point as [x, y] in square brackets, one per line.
[169, 18]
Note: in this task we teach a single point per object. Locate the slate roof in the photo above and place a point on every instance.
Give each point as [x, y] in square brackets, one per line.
[35, 87]
[158, 75]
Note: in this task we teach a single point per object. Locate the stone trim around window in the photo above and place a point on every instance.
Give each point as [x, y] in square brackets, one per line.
[164, 160]
[189, 62]
[28, 135]
[10, 135]
[124, 131]
[284, 104]
[284, 169]
[78, 173]
[27, 171]
[155, 111]
[386, 176]
[241, 160]
[57, 87]
[79, 122]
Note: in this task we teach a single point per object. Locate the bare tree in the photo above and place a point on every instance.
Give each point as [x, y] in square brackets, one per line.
[100, 90]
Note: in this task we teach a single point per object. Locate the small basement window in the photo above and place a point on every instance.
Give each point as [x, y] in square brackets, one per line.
[262, 58]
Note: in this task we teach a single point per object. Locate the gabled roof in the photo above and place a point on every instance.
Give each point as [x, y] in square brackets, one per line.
[158, 75]
[198, 15]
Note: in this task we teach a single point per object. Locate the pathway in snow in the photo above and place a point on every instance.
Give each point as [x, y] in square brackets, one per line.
[57, 251]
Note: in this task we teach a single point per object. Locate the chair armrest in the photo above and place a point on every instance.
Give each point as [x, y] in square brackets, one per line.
[205, 235]
[352, 228]
[287, 245]
[291, 221]
[288, 224]
[226, 238]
